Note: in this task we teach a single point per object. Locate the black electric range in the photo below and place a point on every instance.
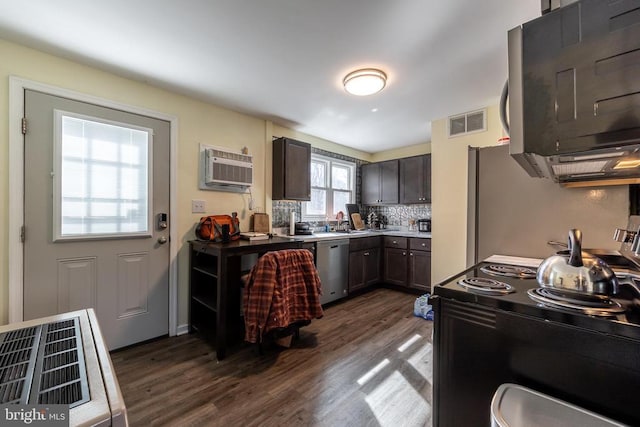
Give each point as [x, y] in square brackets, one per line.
[482, 341]
[626, 323]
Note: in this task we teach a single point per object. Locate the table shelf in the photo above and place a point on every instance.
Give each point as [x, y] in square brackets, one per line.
[215, 286]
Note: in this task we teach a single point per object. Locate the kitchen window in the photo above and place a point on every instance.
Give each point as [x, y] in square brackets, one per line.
[332, 187]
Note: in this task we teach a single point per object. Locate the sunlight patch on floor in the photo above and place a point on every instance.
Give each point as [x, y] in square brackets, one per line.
[395, 402]
[422, 361]
[372, 372]
[409, 342]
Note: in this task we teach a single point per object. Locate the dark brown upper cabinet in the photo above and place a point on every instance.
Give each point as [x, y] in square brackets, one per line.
[380, 182]
[415, 179]
[291, 170]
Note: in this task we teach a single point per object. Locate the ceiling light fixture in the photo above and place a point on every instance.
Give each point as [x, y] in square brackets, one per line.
[627, 164]
[365, 82]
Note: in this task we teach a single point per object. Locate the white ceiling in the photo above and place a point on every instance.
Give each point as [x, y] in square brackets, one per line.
[284, 60]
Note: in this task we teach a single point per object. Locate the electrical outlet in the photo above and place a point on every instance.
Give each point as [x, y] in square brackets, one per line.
[197, 206]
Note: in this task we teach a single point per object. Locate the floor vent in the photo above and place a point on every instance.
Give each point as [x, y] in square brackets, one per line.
[43, 365]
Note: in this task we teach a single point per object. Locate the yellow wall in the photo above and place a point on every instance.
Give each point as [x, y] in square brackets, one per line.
[323, 144]
[449, 193]
[398, 153]
[198, 122]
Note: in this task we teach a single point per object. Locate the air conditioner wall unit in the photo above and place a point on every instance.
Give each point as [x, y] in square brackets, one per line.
[228, 168]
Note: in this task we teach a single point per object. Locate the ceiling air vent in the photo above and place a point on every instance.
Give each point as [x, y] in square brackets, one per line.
[463, 124]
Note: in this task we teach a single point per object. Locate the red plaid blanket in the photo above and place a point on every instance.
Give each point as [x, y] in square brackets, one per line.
[282, 288]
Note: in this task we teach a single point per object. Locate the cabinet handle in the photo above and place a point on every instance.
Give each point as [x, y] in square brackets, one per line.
[410, 253]
[395, 243]
[366, 254]
[404, 254]
[424, 245]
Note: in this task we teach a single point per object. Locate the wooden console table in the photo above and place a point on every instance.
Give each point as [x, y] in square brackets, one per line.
[215, 301]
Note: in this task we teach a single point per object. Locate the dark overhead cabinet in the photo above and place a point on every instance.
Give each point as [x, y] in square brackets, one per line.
[291, 170]
[415, 179]
[380, 182]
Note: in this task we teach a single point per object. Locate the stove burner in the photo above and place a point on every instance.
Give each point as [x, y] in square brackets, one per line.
[588, 304]
[509, 271]
[483, 285]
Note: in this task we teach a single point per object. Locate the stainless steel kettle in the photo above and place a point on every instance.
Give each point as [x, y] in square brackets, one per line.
[577, 271]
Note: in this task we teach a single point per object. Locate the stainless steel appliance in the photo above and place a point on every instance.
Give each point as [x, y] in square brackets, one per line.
[510, 213]
[574, 90]
[61, 359]
[332, 261]
[487, 337]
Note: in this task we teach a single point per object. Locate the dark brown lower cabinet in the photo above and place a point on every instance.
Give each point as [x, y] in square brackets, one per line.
[420, 270]
[407, 262]
[364, 262]
[420, 264]
[395, 266]
[364, 268]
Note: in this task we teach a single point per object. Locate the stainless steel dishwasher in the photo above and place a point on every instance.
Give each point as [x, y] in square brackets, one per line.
[332, 261]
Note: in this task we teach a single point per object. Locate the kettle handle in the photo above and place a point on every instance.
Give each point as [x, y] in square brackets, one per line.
[575, 248]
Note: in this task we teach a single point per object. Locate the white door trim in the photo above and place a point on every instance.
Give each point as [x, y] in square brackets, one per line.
[17, 87]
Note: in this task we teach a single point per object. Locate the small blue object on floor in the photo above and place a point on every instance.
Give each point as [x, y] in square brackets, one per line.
[422, 308]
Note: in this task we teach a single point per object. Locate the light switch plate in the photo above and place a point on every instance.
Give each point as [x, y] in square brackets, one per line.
[197, 206]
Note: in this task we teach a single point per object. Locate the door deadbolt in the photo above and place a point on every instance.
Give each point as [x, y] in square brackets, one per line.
[162, 221]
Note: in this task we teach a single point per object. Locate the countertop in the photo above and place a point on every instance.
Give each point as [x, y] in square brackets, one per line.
[357, 234]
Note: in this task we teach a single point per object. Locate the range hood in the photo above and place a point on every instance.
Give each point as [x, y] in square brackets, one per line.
[574, 93]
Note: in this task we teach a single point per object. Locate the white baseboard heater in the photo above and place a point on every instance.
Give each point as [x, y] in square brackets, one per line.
[61, 360]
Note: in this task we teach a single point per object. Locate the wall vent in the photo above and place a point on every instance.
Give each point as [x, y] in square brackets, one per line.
[225, 169]
[471, 122]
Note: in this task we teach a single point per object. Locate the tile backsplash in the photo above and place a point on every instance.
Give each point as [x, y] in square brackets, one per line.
[398, 214]
[282, 210]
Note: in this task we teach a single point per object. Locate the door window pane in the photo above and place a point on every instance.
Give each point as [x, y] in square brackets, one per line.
[102, 172]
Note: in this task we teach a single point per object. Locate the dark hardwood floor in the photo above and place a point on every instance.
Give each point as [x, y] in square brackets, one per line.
[367, 362]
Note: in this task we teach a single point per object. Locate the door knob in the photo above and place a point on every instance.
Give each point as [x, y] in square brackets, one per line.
[162, 240]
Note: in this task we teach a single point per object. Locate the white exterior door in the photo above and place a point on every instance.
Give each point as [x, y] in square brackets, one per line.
[96, 206]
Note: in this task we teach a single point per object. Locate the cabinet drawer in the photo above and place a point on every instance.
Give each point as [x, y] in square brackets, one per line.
[420, 244]
[360, 243]
[395, 242]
